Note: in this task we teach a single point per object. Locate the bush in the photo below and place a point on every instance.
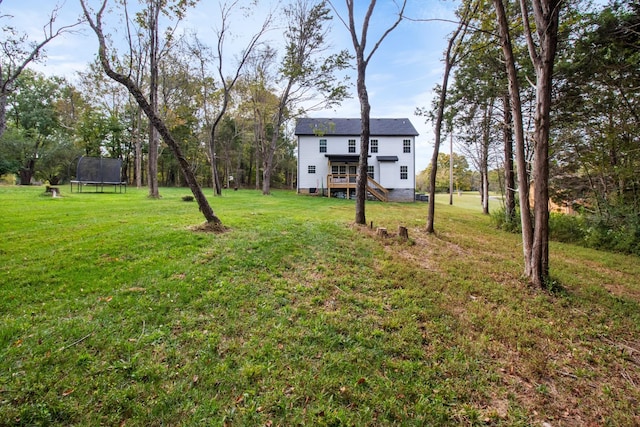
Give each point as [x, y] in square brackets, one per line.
[619, 233]
[566, 228]
[621, 236]
[8, 179]
[502, 222]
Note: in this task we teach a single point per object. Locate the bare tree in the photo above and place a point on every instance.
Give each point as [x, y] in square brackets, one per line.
[304, 75]
[152, 25]
[105, 60]
[449, 61]
[362, 61]
[227, 83]
[18, 53]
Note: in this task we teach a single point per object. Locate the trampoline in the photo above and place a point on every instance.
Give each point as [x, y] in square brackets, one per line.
[99, 172]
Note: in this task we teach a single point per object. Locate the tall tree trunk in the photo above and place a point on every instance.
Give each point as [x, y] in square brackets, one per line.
[451, 168]
[518, 128]
[3, 111]
[448, 65]
[138, 149]
[365, 129]
[450, 57]
[540, 255]
[546, 15]
[485, 190]
[214, 163]
[257, 164]
[266, 177]
[154, 143]
[438, 139]
[484, 156]
[509, 179]
[273, 146]
[269, 153]
[228, 83]
[359, 46]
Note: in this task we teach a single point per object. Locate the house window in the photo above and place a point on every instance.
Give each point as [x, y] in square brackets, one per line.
[311, 169]
[352, 145]
[371, 171]
[339, 170]
[406, 146]
[323, 145]
[374, 145]
[404, 172]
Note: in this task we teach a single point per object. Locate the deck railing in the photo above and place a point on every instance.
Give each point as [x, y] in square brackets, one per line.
[348, 181]
[343, 180]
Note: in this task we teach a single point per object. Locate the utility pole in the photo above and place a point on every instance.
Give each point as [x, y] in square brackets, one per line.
[451, 169]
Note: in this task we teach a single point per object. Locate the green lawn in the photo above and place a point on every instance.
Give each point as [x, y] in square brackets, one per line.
[114, 312]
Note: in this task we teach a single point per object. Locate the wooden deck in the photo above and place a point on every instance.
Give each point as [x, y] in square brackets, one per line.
[347, 182]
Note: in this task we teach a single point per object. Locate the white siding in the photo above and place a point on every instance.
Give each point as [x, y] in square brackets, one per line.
[388, 173]
[309, 154]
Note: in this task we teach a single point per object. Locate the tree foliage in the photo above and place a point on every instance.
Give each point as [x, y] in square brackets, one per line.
[596, 161]
[462, 175]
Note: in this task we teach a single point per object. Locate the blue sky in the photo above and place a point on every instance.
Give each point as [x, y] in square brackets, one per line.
[401, 75]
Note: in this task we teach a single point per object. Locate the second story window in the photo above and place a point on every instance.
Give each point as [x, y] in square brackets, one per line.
[312, 169]
[323, 145]
[406, 146]
[374, 145]
[352, 145]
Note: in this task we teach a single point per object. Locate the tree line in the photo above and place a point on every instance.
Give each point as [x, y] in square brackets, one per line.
[228, 109]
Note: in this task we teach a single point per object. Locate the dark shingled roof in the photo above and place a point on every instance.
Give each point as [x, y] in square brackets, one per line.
[387, 158]
[351, 127]
[342, 157]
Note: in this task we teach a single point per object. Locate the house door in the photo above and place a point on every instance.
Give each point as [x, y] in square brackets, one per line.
[353, 171]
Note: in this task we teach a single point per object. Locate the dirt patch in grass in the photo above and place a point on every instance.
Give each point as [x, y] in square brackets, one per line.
[209, 227]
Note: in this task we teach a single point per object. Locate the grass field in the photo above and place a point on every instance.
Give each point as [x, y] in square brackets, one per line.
[114, 312]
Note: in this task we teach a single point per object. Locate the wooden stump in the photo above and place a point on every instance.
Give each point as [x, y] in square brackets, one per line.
[55, 191]
[403, 233]
[382, 232]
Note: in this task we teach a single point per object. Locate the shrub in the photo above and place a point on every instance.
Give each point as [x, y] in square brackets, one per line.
[9, 179]
[566, 228]
[619, 236]
[502, 222]
[619, 233]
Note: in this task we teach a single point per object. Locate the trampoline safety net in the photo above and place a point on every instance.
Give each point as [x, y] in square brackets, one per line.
[98, 171]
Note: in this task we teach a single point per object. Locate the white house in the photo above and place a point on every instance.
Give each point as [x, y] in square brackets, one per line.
[328, 152]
